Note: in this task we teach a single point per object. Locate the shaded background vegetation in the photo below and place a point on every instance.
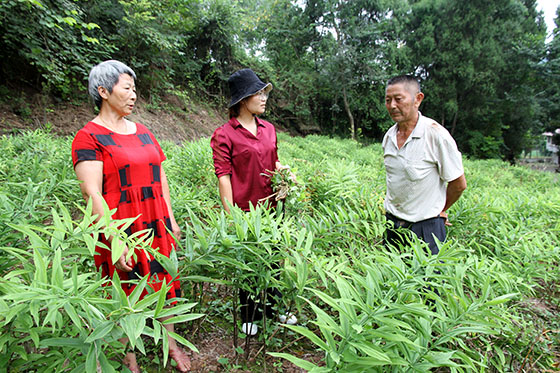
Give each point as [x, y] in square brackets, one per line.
[489, 74]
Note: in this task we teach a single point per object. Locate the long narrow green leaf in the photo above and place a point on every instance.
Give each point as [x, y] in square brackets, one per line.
[40, 276]
[183, 341]
[71, 311]
[100, 331]
[184, 318]
[177, 310]
[91, 359]
[104, 363]
[306, 365]
[138, 290]
[501, 299]
[374, 352]
[63, 342]
[310, 335]
[57, 276]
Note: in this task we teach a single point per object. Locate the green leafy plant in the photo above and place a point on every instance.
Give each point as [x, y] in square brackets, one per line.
[53, 307]
[485, 303]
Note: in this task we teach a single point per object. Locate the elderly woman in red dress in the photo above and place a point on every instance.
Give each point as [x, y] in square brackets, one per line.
[244, 149]
[119, 162]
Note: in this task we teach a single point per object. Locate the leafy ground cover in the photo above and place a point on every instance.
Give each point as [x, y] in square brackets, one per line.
[487, 303]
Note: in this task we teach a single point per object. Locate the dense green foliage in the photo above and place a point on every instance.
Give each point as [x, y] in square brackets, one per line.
[361, 306]
[488, 74]
[480, 59]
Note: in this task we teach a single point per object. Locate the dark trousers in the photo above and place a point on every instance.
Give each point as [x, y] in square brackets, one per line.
[252, 310]
[424, 229]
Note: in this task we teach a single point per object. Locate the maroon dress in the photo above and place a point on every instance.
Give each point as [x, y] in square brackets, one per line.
[132, 185]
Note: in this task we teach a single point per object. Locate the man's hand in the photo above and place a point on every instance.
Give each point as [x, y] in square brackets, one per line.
[444, 215]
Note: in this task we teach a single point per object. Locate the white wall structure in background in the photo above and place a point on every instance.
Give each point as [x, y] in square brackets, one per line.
[550, 146]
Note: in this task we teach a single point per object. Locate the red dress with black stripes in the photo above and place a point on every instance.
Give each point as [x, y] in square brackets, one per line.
[132, 185]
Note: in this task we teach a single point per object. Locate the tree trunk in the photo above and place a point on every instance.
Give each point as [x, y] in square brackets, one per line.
[349, 113]
[454, 123]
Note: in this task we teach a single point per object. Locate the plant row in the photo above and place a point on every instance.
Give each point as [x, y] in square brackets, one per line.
[361, 306]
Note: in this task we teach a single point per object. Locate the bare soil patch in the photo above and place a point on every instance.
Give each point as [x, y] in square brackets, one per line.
[170, 120]
[213, 337]
[540, 164]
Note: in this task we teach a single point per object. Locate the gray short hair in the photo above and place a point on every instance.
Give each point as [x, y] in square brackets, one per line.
[106, 75]
[410, 81]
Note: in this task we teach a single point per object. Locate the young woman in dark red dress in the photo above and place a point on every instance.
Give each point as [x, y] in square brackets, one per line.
[244, 149]
[119, 161]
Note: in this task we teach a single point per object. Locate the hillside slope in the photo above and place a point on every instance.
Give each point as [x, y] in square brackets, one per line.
[170, 120]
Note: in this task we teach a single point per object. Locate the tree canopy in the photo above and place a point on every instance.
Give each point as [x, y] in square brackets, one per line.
[487, 71]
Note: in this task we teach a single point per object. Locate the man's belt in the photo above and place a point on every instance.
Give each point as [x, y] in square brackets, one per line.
[399, 223]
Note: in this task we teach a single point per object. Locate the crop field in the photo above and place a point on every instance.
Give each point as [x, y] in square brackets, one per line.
[489, 302]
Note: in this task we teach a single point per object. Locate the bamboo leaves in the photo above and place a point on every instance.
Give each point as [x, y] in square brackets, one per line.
[364, 323]
[55, 307]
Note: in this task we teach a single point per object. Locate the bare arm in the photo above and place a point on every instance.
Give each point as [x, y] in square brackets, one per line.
[166, 196]
[226, 191]
[90, 173]
[454, 190]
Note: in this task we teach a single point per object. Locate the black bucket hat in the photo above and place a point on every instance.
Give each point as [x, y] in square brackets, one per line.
[245, 83]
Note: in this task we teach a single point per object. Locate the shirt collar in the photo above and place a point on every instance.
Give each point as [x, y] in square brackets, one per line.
[235, 123]
[260, 122]
[420, 127]
[418, 130]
